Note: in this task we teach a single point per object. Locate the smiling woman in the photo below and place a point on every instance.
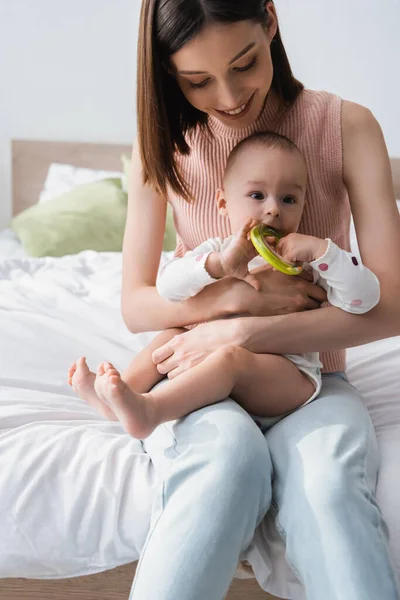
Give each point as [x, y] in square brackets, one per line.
[239, 62]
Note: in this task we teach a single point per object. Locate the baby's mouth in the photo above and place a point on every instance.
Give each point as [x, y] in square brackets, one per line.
[271, 233]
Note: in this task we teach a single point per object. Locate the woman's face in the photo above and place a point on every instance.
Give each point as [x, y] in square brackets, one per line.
[226, 71]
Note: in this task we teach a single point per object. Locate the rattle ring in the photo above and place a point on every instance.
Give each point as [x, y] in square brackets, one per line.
[257, 236]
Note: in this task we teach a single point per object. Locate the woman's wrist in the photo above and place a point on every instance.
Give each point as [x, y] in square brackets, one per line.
[244, 331]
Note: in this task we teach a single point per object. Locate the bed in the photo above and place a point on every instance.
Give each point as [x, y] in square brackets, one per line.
[48, 309]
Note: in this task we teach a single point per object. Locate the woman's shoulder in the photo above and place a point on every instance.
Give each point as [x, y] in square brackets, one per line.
[315, 115]
[356, 117]
[316, 101]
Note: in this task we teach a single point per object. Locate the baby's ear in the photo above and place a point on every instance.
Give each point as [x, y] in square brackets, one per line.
[221, 202]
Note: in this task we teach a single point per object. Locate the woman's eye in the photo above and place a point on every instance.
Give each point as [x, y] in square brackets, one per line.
[199, 85]
[257, 196]
[289, 200]
[247, 67]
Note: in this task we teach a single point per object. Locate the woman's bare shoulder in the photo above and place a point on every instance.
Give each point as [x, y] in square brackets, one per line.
[363, 143]
[357, 118]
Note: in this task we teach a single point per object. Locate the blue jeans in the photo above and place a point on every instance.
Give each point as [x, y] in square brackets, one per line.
[219, 474]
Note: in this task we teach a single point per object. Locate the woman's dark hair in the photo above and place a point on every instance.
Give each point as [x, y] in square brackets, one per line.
[164, 114]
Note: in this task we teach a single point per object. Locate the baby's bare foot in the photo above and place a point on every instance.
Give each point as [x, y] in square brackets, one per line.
[134, 411]
[82, 382]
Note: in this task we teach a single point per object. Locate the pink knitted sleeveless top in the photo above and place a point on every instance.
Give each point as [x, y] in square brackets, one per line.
[313, 122]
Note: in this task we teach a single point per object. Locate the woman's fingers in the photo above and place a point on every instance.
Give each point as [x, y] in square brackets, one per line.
[311, 304]
[174, 373]
[314, 291]
[167, 365]
[251, 280]
[162, 353]
[307, 275]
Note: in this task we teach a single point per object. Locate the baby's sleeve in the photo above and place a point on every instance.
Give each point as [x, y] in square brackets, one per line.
[182, 278]
[350, 285]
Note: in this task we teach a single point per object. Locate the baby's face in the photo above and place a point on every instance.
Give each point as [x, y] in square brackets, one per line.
[268, 185]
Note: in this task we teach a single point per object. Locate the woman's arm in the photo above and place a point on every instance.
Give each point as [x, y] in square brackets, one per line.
[142, 307]
[367, 176]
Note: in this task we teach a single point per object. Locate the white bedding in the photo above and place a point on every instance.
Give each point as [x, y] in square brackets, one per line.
[52, 311]
[10, 245]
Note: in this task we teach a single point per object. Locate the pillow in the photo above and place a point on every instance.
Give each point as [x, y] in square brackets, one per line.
[62, 178]
[170, 233]
[89, 217]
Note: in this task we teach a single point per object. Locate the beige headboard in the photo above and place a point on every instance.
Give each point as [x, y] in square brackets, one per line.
[31, 161]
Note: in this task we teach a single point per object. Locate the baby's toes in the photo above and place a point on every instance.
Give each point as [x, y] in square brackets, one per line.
[101, 369]
[71, 373]
[113, 377]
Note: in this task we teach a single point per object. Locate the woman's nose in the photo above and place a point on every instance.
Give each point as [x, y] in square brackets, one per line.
[228, 96]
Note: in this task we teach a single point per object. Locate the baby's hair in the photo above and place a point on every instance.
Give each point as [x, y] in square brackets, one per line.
[268, 139]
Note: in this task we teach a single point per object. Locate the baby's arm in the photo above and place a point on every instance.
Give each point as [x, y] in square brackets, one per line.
[182, 278]
[350, 285]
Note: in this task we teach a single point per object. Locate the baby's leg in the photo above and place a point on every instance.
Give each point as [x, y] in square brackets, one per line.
[265, 384]
[142, 374]
[269, 385]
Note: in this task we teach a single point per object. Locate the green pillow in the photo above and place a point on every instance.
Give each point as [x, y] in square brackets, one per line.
[89, 217]
[169, 242]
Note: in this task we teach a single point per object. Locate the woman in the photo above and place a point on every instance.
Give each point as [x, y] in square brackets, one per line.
[210, 72]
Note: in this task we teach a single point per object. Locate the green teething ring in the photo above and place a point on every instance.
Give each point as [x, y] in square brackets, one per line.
[258, 235]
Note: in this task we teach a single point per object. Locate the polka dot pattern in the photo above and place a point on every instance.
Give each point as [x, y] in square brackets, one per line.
[199, 257]
[357, 302]
[323, 267]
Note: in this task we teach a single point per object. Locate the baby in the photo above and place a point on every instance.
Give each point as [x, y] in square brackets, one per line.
[264, 182]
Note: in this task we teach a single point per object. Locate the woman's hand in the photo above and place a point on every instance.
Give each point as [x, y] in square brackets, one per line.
[188, 349]
[279, 294]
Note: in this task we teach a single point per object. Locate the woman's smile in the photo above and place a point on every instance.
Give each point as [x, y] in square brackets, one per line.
[237, 113]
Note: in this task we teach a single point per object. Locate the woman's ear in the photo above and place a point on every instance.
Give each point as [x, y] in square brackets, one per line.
[221, 203]
[272, 19]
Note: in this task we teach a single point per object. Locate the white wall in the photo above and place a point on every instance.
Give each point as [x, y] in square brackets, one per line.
[67, 67]
[351, 48]
[67, 72]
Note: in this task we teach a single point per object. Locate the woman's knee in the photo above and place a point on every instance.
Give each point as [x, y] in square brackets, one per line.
[241, 465]
[229, 445]
[329, 475]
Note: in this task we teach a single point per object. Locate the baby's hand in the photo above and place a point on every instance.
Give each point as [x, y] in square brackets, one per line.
[236, 257]
[296, 247]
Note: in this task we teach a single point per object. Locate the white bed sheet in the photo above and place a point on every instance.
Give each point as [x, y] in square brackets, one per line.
[10, 245]
[53, 310]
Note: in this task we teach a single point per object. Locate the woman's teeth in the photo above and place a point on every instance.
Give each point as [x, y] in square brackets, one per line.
[237, 111]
